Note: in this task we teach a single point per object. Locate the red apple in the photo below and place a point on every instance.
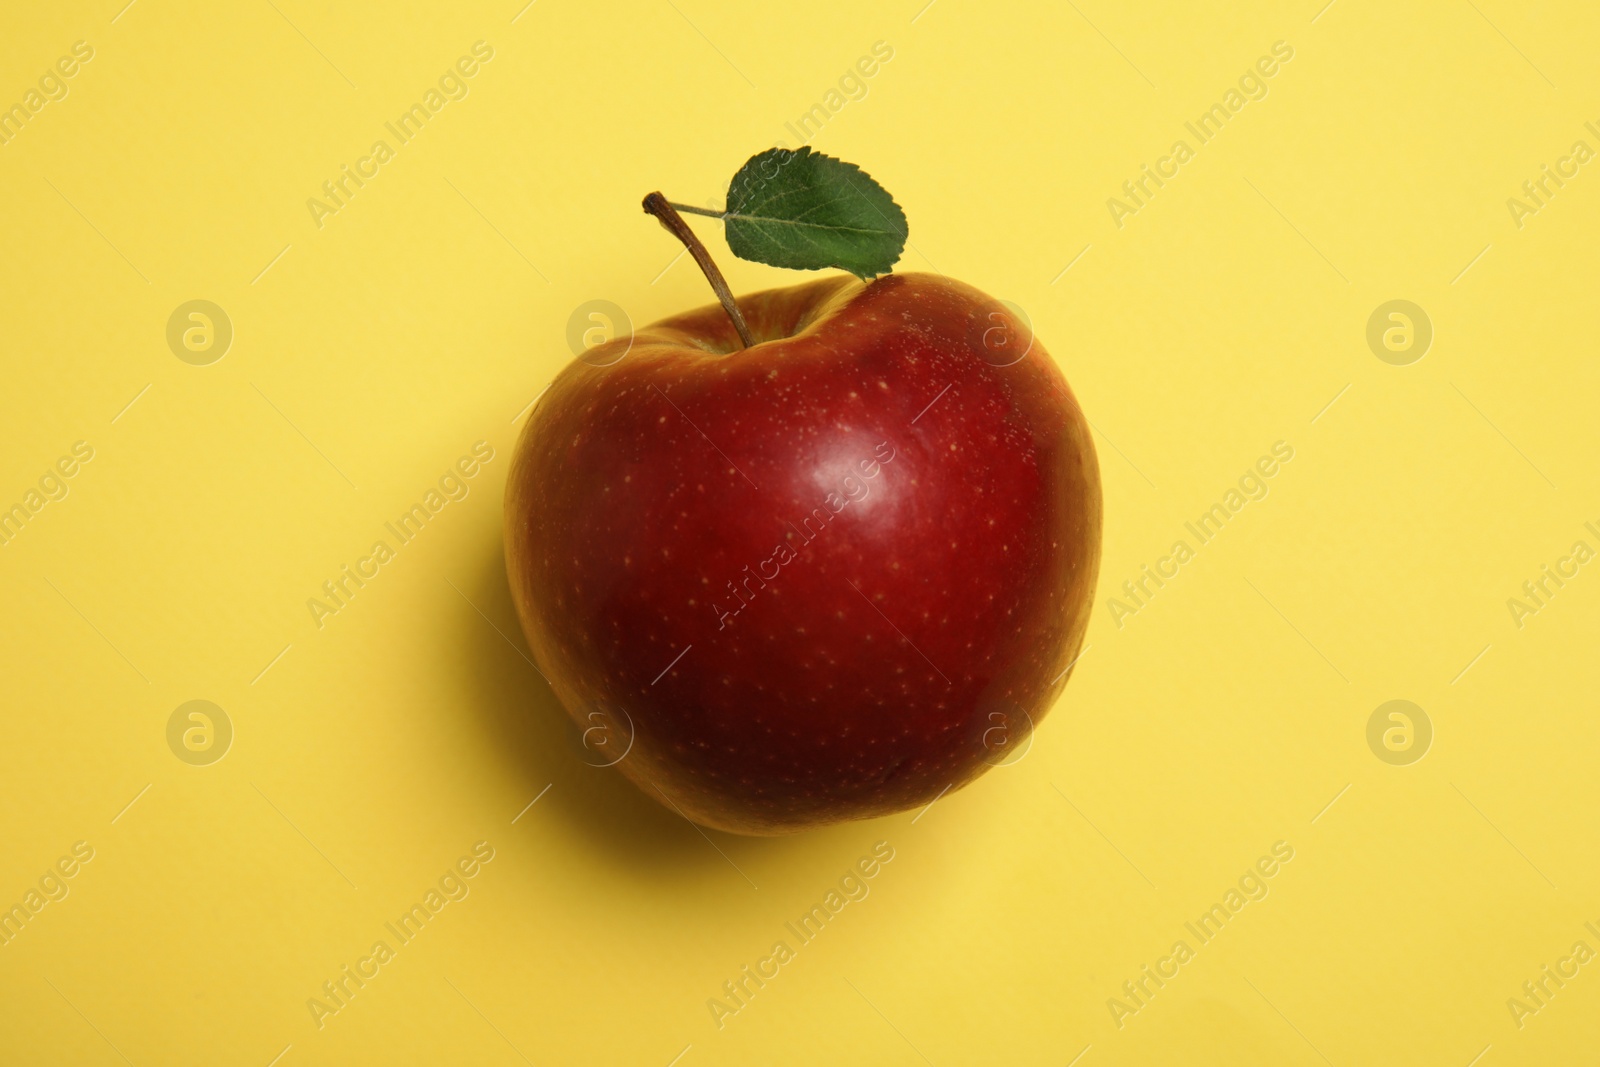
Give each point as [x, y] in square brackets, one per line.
[826, 577]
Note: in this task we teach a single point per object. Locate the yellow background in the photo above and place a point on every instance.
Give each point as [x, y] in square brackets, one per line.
[426, 315]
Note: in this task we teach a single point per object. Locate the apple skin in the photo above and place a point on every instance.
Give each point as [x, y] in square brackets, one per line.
[894, 631]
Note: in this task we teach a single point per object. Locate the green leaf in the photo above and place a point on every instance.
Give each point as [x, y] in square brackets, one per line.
[806, 210]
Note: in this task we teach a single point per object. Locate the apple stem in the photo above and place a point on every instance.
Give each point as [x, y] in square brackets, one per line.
[657, 205]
